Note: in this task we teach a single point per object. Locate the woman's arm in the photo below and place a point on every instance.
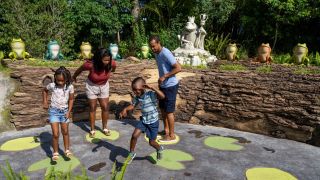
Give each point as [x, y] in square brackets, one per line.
[76, 74]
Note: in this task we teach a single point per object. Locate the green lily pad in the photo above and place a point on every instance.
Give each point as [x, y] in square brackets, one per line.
[222, 143]
[60, 165]
[171, 159]
[100, 136]
[20, 144]
[268, 173]
[159, 138]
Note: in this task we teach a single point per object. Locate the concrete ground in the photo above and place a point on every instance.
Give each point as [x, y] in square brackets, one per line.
[298, 159]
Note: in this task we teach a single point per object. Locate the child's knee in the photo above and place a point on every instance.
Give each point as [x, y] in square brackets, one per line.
[65, 133]
[55, 135]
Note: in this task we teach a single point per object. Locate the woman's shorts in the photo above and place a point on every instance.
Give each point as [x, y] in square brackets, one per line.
[95, 91]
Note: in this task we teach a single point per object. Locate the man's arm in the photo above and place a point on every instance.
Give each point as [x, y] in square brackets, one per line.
[175, 70]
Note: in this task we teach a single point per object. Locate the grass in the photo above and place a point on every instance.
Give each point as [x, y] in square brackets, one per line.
[232, 67]
[4, 69]
[264, 69]
[185, 66]
[303, 71]
[48, 63]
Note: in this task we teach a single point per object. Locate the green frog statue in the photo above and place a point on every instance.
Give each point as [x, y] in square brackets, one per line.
[18, 50]
[53, 51]
[85, 51]
[300, 55]
[144, 52]
[114, 50]
[231, 52]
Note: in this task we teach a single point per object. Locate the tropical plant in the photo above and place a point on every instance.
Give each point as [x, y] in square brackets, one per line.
[217, 44]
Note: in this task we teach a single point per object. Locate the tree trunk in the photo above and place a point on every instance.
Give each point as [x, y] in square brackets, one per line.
[135, 11]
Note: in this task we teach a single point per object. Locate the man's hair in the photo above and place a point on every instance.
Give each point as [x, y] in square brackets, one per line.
[154, 37]
[136, 80]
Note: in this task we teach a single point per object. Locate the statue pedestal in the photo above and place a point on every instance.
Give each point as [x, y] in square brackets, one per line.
[193, 57]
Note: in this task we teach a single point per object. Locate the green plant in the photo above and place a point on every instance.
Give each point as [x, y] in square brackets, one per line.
[281, 58]
[264, 69]
[217, 44]
[168, 39]
[232, 67]
[118, 172]
[10, 174]
[243, 53]
[123, 48]
[315, 59]
[46, 63]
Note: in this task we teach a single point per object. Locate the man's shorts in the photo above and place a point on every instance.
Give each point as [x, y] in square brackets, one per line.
[168, 104]
[58, 115]
[151, 130]
[95, 91]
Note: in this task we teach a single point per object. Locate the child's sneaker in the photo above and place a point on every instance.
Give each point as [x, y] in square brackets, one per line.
[159, 153]
[131, 157]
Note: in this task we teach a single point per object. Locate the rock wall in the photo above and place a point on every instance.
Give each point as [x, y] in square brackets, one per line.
[280, 104]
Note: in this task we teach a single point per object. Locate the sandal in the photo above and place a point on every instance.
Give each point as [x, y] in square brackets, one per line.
[92, 133]
[68, 153]
[55, 156]
[107, 132]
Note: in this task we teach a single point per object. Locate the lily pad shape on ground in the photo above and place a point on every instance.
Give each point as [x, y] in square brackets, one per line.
[268, 173]
[100, 136]
[171, 159]
[60, 165]
[20, 144]
[222, 143]
[159, 137]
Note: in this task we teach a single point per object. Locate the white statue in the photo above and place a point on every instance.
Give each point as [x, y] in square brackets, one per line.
[189, 35]
[201, 32]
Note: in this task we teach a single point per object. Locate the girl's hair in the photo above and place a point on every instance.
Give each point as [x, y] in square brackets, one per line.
[65, 73]
[97, 60]
[136, 80]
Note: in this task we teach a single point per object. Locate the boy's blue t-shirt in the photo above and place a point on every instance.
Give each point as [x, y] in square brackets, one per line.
[148, 104]
[165, 60]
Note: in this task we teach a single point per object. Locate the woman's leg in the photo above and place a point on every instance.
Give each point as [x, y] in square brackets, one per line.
[65, 134]
[93, 108]
[104, 104]
[55, 136]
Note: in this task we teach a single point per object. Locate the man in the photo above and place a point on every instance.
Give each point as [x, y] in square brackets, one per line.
[168, 83]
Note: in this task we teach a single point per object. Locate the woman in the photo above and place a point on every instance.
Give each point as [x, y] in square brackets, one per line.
[97, 86]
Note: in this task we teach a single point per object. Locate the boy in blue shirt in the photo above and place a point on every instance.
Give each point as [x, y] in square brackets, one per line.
[149, 121]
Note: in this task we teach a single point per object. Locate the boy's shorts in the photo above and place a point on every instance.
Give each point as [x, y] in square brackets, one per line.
[95, 91]
[168, 104]
[151, 130]
[58, 115]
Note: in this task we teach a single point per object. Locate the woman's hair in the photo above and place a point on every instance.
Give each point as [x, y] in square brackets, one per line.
[65, 73]
[136, 80]
[97, 60]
